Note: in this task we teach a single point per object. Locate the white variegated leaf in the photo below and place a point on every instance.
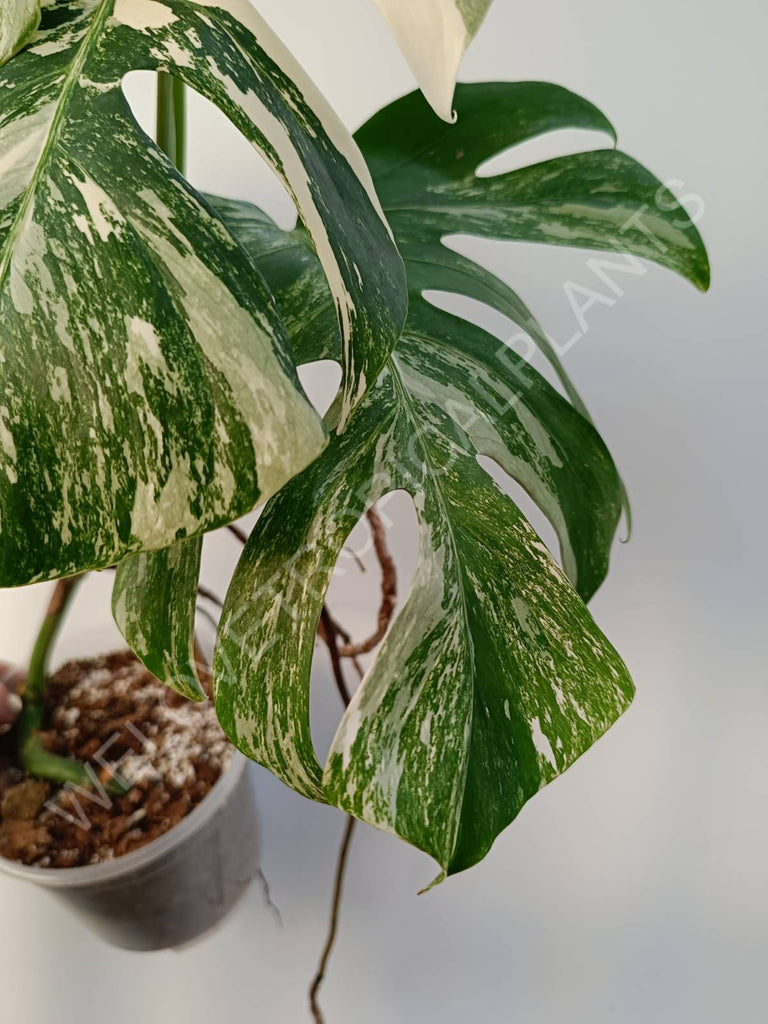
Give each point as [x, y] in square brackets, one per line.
[427, 177]
[433, 35]
[146, 389]
[493, 678]
[19, 20]
[154, 601]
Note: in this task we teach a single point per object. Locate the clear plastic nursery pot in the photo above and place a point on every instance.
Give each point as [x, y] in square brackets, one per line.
[174, 889]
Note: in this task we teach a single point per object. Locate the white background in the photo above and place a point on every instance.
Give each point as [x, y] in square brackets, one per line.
[634, 889]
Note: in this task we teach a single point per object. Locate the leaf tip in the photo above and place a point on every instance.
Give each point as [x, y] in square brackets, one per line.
[704, 277]
[438, 880]
[433, 44]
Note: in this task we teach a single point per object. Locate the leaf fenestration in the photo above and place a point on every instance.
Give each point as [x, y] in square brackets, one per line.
[426, 175]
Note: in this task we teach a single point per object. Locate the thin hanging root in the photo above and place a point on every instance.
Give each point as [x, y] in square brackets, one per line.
[341, 866]
[203, 669]
[330, 632]
[388, 590]
[325, 628]
[210, 596]
[330, 635]
[241, 535]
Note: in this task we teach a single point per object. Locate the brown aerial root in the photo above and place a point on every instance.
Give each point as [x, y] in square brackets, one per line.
[388, 591]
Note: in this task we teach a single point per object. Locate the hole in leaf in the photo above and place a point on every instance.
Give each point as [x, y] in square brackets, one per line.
[524, 502]
[219, 159]
[354, 599]
[321, 381]
[140, 89]
[544, 147]
[502, 329]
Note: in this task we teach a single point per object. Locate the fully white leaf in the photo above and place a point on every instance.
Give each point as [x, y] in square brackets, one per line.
[433, 35]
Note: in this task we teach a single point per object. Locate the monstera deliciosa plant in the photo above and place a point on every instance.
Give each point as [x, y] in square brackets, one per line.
[149, 342]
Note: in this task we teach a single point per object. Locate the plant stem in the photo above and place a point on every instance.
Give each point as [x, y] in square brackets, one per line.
[38, 664]
[38, 761]
[42, 764]
[172, 119]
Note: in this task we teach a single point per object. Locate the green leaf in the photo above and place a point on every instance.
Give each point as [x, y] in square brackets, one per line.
[19, 20]
[494, 677]
[426, 176]
[153, 602]
[148, 392]
[433, 35]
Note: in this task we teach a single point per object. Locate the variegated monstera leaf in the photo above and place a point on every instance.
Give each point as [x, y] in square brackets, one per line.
[433, 35]
[493, 678]
[146, 387]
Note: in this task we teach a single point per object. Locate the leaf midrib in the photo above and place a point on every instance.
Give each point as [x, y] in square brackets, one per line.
[71, 80]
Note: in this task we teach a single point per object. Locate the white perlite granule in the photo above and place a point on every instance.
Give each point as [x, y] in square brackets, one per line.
[173, 740]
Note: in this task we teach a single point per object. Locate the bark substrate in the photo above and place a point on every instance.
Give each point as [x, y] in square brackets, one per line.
[110, 713]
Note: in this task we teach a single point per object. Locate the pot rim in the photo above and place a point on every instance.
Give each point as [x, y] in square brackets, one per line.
[109, 870]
